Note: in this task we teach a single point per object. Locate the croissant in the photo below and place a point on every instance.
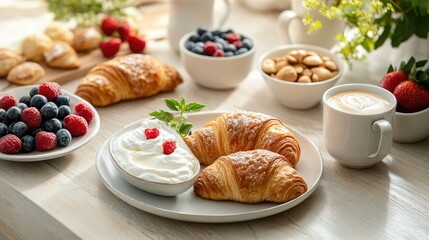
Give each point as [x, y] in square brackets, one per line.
[61, 55]
[8, 60]
[251, 177]
[26, 73]
[241, 131]
[127, 77]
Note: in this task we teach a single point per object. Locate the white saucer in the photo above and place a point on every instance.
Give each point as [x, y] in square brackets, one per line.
[189, 207]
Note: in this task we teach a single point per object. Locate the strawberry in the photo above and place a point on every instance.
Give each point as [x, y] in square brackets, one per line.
[110, 47]
[392, 79]
[109, 25]
[411, 97]
[136, 43]
[124, 31]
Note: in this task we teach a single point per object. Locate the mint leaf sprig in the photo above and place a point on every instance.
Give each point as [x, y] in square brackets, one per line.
[178, 106]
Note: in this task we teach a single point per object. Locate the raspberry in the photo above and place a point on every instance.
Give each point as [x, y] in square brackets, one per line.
[76, 125]
[219, 53]
[84, 111]
[151, 133]
[45, 141]
[10, 144]
[238, 44]
[232, 37]
[169, 147]
[7, 101]
[210, 48]
[51, 90]
[32, 117]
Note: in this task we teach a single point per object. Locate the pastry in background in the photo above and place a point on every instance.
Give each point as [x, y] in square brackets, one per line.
[61, 55]
[58, 32]
[250, 177]
[8, 60]
[26, 73]
[127, 77]
[242, 131]
[86, 39]
[34, 45]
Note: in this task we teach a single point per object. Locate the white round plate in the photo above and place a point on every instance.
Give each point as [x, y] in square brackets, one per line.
[76, 142]
[189, 207]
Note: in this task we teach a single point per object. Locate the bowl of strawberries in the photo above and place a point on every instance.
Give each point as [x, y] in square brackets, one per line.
[410, 84]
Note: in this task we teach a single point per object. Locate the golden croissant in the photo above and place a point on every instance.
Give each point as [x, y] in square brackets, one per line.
[127, 77]
[250, 177]
[241, 131]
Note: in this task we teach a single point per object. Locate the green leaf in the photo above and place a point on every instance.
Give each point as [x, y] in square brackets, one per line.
[162, 115]
[384, 35]
[421, 63]
[172, 104]
[390, 69]
[185, 129]
[410, 64]
[182, 105]
[194, 107]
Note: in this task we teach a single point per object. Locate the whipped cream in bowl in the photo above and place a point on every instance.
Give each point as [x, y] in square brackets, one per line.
[153, 157]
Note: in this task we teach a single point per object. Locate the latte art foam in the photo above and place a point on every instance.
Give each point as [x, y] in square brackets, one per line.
[359, 102]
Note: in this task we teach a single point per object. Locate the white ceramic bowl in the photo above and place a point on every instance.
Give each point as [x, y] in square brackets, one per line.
[216, 72]
[164, 189]
[411, 127]
[299, 95]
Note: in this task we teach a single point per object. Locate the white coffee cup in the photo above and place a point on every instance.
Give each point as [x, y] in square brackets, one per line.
[293, 30]
[358, 124]
[187, 15]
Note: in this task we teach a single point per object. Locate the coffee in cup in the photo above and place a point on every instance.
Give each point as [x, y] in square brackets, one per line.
[359, 102]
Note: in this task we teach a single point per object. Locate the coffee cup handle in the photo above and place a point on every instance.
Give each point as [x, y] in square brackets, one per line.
[386, 137]
[284, 20]
[225, 14]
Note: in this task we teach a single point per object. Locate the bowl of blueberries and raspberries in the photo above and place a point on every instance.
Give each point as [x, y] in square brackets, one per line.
[217, 59]
[43, 118]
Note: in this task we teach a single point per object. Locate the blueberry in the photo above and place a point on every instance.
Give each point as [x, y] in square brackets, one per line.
[25, 99]
[19, 129]
[3, 129]
[34, 91]
[216, 32]
[198, 50]
[28, 143]
[13, 114]
[35, 131]
[9, 129]
[38, 101]
[189, 45]
[230, 48]
[62, 124]
[229, 31]
[63, 138]
[219, 45]
[241, 51]
[228, 54]
[52, 125]
[200, 44]
[201, 31]
[3, 118]
[194, 38]
[49, 110]
[62, 100]
[22, 106]
[63, 111]
[247, 43]
[207, 36]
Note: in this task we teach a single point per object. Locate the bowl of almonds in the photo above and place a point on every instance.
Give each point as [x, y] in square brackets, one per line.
[299, 74]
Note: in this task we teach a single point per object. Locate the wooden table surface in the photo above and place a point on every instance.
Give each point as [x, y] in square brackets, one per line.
[65, 198]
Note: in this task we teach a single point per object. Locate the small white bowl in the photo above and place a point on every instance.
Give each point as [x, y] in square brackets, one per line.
[216, 72]
[294, 94]
[411, 127]
[163, 189]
